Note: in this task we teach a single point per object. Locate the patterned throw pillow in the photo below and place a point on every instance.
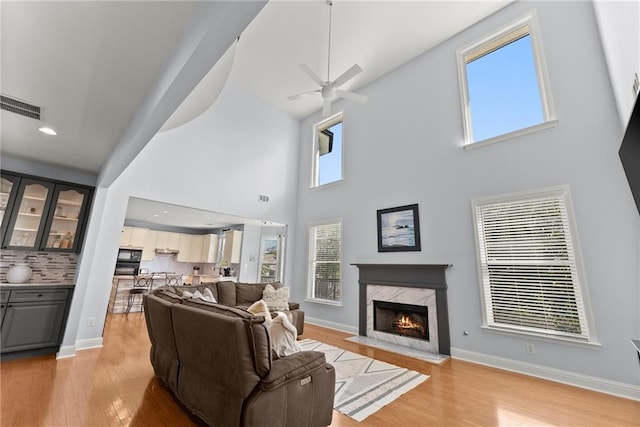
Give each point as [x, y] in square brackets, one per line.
[276, 299]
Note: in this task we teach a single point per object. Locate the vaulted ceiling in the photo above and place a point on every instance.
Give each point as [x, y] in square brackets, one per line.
[108, 75]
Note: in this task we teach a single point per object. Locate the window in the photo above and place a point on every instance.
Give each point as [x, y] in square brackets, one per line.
[530, 270]
[503, 84]
[325, 254]
[270, 259]
[327, 152]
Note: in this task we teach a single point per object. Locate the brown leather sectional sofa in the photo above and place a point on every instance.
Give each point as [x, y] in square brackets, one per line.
[218, 362]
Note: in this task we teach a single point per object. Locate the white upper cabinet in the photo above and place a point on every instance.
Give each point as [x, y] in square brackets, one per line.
[149, 247]
[168, 240]
[210, 248]
[232, 246]
[133, 237]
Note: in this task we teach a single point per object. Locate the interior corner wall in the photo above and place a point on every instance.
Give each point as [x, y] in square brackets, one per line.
[620, 36]
[404, 146]
[239, 148]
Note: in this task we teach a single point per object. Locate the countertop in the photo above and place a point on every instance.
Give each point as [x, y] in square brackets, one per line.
[35, 285]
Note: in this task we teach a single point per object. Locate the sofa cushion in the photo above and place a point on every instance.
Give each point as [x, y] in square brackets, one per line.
[276, 299]
[248, 293]
[227, 293]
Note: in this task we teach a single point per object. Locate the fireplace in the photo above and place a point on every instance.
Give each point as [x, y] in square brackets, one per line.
[410, 286]
[407, 320]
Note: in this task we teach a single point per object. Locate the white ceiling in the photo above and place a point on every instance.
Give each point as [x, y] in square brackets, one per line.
[95, 67]
[165, 214]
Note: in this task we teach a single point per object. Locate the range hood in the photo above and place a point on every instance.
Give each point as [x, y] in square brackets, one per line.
[167, 251]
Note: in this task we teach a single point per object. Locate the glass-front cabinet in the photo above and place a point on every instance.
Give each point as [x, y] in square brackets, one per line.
[26, 225]
[44, 215]
[8, 190]
[67, 217]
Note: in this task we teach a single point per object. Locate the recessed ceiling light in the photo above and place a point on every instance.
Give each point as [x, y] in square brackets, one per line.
[156, 215]
[165, 211]
[47, 130]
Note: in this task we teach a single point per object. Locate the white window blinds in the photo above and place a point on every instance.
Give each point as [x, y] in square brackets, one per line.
[530, 280]
[325, 261]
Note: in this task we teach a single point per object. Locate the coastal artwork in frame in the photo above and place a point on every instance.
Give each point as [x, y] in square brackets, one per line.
[399, 229]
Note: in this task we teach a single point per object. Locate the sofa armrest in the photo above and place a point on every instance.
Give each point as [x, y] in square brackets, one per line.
[291, 368]
[298, 391]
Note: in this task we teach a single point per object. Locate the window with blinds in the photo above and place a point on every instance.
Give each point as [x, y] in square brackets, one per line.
[325, 242]
[528, 262]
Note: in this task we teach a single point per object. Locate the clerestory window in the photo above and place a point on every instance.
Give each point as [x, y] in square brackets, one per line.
[327, 152]
[503, 83]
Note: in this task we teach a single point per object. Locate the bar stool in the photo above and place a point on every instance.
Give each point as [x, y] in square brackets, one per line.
[174, 279]
[141, 284]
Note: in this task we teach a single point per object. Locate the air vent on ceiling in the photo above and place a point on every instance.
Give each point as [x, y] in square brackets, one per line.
[19, 107]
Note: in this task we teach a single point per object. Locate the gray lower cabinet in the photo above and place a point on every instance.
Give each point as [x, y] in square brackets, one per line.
[33, 321]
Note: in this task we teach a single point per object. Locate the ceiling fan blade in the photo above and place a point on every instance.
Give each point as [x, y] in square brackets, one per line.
[303, 94]
[355, 97]
[326, 108]
[308, 71]
[347, 75]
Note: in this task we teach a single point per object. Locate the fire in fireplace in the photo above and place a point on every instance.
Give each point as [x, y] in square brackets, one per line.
[401, 319]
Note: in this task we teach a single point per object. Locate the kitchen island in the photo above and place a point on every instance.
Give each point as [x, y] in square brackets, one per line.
[122, 284]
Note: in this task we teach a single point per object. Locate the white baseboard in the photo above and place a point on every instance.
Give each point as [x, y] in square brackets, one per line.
[332, 325]
[601, 385]
[89, 343]
[66, 351]
[70, 350]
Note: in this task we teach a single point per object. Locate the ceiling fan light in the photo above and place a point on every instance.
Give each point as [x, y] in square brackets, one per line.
[47, 130]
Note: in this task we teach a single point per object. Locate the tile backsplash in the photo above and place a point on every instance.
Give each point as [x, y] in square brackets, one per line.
[48, 267]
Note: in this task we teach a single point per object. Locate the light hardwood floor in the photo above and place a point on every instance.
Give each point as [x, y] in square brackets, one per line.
[115, 386]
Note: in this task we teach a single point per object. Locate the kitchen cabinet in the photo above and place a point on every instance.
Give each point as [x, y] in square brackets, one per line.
[39, 214]
[149, 247]
[190, 248]
[4, 299]
[232, 247]
[210, 248]
[8, 191]
[196, 248]
[133, 237]
[168, 240]
[33, 320]
[184, 248]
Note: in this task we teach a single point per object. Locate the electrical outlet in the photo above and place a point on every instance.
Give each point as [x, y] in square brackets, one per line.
[531, 349]
[636, 84]
[91, 322]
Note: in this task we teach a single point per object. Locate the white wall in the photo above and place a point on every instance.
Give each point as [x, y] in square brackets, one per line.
[219, 162]
[620, 35]
[404, 146]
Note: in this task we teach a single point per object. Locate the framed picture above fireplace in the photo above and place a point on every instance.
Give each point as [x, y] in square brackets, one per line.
[399, 229]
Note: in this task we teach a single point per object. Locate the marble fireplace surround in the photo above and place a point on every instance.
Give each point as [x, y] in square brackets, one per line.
[422, 276]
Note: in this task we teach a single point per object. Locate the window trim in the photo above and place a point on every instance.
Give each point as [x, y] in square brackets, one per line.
[486, 45]
[315, 158]
[562, 191]
[311, 257]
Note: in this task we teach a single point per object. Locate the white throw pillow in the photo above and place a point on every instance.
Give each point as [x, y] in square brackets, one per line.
[276, 299]
[259, 308]
[208, 295]
[283, 336]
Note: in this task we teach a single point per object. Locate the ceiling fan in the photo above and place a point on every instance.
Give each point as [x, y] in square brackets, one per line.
[330, 90]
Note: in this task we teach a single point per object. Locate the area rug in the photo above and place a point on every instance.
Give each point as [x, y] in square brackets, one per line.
[364, 385]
